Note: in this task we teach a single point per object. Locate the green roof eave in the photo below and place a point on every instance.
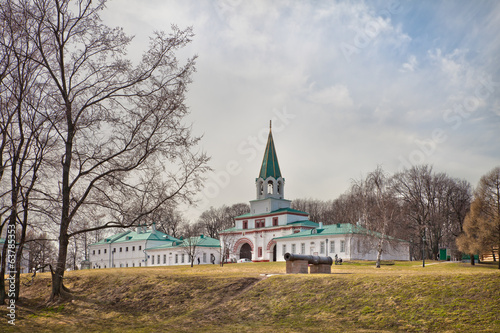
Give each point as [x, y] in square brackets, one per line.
[199, 241]
[281, 210]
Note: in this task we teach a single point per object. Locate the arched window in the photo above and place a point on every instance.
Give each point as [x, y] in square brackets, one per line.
[279, 188]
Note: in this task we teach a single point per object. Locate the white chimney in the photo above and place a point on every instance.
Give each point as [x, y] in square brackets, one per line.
[320, 225]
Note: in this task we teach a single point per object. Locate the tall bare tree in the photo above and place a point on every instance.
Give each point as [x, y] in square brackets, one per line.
[26, 133]
[215, 220]
[124, 149]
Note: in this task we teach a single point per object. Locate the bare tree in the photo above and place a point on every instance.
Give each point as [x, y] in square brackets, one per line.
[190, 241]
[168, 220]
[379, 208]
[123, 147]
[26, 134]
[40, 250]
[215, 220]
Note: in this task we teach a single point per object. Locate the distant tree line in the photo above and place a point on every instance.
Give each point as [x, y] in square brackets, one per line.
[419, 205]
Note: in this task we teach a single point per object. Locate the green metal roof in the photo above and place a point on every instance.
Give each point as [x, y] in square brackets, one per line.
[337, 229]
[281, 210]
[332, 229]
[200, 241]
[131, 236]
[270, 166]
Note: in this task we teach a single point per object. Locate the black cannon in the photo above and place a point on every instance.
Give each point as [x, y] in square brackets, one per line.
[313, 260]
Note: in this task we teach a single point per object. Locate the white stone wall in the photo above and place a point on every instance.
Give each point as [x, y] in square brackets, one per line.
[179, 256]
[313, 246]
[347, 247]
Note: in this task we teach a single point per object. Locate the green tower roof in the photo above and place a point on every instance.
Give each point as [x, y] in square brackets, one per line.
[270, 166]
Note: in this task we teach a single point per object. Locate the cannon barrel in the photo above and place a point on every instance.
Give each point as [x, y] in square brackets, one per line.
[315, 260]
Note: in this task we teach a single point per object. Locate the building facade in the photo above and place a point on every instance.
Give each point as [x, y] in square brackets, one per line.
[270, 216]
[127, 249]
[205, 250]
[149, 247]
[273, 228]
[342, 240]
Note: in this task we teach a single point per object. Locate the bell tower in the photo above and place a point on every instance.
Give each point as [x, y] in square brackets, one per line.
[270, 184]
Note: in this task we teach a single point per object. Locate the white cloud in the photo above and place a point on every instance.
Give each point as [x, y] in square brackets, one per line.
[410, 65]
[336, 96]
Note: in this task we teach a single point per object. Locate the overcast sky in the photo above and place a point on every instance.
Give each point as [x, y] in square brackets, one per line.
[348, 85]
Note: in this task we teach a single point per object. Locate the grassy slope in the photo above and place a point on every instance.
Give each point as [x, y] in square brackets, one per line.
[445, 297]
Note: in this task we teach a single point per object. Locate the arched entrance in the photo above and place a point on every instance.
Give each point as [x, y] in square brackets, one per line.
[246, 251]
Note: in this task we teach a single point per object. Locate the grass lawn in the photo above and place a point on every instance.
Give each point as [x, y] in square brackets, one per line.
[259, 297]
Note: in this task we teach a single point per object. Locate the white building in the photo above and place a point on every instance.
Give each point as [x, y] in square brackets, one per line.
[206, 250]
[272, 228]
[270, 216]
[150, 247]
[343, 240]
[127, 249]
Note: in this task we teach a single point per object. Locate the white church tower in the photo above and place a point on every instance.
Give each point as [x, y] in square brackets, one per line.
[270, 215]
[270, 185]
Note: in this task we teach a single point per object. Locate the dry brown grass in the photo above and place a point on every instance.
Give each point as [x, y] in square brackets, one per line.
[357, 297]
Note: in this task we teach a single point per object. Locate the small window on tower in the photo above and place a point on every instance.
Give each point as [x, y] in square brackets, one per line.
[245, 224]
[275, 221]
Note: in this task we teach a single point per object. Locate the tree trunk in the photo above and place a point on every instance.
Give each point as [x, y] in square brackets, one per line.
[3, 295]
[472, 260]
[379, 253]
[58, 288]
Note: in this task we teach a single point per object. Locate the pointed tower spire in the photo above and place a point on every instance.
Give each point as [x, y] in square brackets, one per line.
[270, 183]
[270, 166]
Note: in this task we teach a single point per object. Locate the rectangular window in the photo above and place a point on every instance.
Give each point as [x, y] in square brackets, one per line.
[164, 258]
[245, 224]
[120, 249]
[158, 259]
[322, 247]
[133, 248]
[139, 264]
[293, 248]
[98, 251]
[182, 258]
[176, 258]
[204, 257]
[105, 250]
[126, 249]
[260, 223]
[140, 247]
[284, 249]
[342, 246]
[152, 260]
[133, 264]
[126, 265]
[302, 248]
[260, 252]
[275, 221]
[332, 247]
[93, 252]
